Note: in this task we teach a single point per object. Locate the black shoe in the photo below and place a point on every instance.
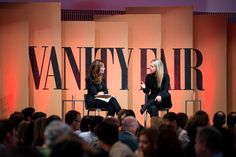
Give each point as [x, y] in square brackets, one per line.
[142, 110]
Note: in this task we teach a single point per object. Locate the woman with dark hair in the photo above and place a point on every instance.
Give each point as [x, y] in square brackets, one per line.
[97, 96]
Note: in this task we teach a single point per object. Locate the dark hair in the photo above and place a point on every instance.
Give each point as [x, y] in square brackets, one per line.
[182, 119]
[71, 116]
[129, 112]
[67, 145]
[210, 137]
[107, 132]
[37, 115]
[16, 118]
[219, 119]
[6, 126]
[203, 116]
[85, 123]
[27, 112]
[52, 118]
[231, 119]
[171, 116]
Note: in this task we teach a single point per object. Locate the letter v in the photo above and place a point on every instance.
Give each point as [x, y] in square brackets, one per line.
[34, 65]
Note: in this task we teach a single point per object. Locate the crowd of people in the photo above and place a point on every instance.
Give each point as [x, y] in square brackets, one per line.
[34, 134]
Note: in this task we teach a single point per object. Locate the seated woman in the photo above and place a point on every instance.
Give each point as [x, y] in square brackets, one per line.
[156, 87]
[97, 95]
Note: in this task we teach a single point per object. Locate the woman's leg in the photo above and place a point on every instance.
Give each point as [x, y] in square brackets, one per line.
[96, 103]
[153, 111]
[114, 105]
[151, 107]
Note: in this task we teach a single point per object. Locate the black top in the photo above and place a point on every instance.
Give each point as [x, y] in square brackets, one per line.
[93, 89]
[151, 86]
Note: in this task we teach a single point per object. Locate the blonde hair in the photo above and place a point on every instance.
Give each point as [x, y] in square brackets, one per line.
[159, 71]
[94, 71]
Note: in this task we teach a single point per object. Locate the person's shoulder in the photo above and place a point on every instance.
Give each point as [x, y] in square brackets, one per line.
[149, 75]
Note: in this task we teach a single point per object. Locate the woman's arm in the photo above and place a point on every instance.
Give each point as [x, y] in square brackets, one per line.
[165, 86]
[105, 91]
[146, 90]
[90, 87]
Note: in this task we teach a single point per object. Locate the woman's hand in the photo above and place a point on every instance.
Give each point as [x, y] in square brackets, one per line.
[158, 99]
[143, 86]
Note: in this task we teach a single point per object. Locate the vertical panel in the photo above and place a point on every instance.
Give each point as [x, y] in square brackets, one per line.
[45, 36]
[76, 36]
[176, 33]
[14, 87]
[144, 32]
[210, 37]
[114, 35]
[45, 30]
[231, 68]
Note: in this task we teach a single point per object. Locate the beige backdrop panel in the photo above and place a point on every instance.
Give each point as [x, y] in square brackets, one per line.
[210, 37]
[44, 30]
[176, 32]
[74, 35]
[113, 35]
[144, 32]
[14, 87]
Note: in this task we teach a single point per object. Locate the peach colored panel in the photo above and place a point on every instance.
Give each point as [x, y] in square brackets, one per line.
[44, 30]
[14, 87]
[144, 31]
[176, 32]
[210, 37]
[113, 35]
[76, 34]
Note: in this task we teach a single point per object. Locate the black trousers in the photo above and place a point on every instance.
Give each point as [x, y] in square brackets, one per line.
[153, 106]
[112, 106]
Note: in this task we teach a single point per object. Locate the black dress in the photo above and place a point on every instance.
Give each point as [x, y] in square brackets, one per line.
[92, 88]
[152, 91]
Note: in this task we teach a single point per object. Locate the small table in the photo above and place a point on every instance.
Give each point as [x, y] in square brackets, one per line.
[193, 102]
[73, 101]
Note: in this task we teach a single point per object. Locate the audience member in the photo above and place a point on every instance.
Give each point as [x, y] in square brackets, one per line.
[208, 143]
[108, 136]
[16, 118]
[73, 119]
[27, 112]
[127, 133]
[171, 118]
[182, 119]
[8, 137]
[147, 146]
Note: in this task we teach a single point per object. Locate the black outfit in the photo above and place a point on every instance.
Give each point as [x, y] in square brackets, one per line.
[152, 91]
[112, 106]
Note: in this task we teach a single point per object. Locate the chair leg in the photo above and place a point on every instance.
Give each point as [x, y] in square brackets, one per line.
[145, 119]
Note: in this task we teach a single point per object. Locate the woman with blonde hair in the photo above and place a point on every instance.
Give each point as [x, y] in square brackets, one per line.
[97, 95]
[156, 87]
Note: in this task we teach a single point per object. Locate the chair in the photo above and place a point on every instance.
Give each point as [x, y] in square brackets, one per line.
[96, 110]
[145, 113]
